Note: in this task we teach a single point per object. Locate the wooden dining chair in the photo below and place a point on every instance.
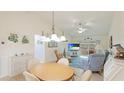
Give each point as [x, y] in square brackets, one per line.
[78, 72]
[83, 76]
[86, 76]
[64, 61]
[30, 77]
[58, 55]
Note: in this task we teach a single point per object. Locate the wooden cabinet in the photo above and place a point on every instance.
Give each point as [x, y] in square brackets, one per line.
[114, 70]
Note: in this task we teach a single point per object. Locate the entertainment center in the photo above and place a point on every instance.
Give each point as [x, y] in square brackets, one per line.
[76, 49]
[73, 49]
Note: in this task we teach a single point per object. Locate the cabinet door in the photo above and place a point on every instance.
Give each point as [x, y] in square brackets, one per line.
[112, 71]
[18, 65]
[108, 66]
[4, 66]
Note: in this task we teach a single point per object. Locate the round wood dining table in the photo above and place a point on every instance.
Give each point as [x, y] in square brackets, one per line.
[52, 72]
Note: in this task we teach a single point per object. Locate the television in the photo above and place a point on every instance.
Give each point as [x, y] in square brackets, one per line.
[73, 47]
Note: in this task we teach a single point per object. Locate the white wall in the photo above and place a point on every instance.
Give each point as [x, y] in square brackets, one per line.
[21, 23]
[49, 52]
[104, 40]
[117, 28]
[46, 54]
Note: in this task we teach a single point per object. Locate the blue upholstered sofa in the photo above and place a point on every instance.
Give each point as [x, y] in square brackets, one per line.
[96, 62]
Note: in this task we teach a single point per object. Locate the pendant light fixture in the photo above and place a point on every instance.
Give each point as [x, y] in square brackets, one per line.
[62, 38]
[81, 29]
[47, 38]
[54, 35]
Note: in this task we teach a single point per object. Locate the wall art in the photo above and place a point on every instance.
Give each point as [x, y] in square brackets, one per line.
[13, 37]
[25, 40]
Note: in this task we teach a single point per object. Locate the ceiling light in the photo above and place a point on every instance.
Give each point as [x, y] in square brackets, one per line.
[47, 39]
[80, 31]
[62, 38]
[89, 24]
[54, 37]
[58, 39]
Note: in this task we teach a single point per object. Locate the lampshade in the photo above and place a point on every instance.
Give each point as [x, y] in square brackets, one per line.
[57, 39]
[62, 38]
[80, 31]
[54, 37]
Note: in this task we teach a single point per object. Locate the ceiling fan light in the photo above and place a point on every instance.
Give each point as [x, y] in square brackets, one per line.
[80, 31]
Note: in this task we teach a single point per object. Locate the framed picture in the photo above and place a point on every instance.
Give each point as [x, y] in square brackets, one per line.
[52, 44]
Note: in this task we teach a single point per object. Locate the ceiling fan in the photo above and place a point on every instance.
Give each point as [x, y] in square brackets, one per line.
[81, 28]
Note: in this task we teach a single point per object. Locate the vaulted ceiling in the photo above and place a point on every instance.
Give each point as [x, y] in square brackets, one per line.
[97, 23]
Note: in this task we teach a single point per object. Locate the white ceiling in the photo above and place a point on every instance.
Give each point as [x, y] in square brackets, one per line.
[68, 21]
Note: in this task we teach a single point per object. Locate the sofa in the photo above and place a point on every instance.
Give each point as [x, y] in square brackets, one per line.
[96, 62]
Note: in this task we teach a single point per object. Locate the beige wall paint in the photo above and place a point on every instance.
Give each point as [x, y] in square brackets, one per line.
[21, 23]
[117, 28]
